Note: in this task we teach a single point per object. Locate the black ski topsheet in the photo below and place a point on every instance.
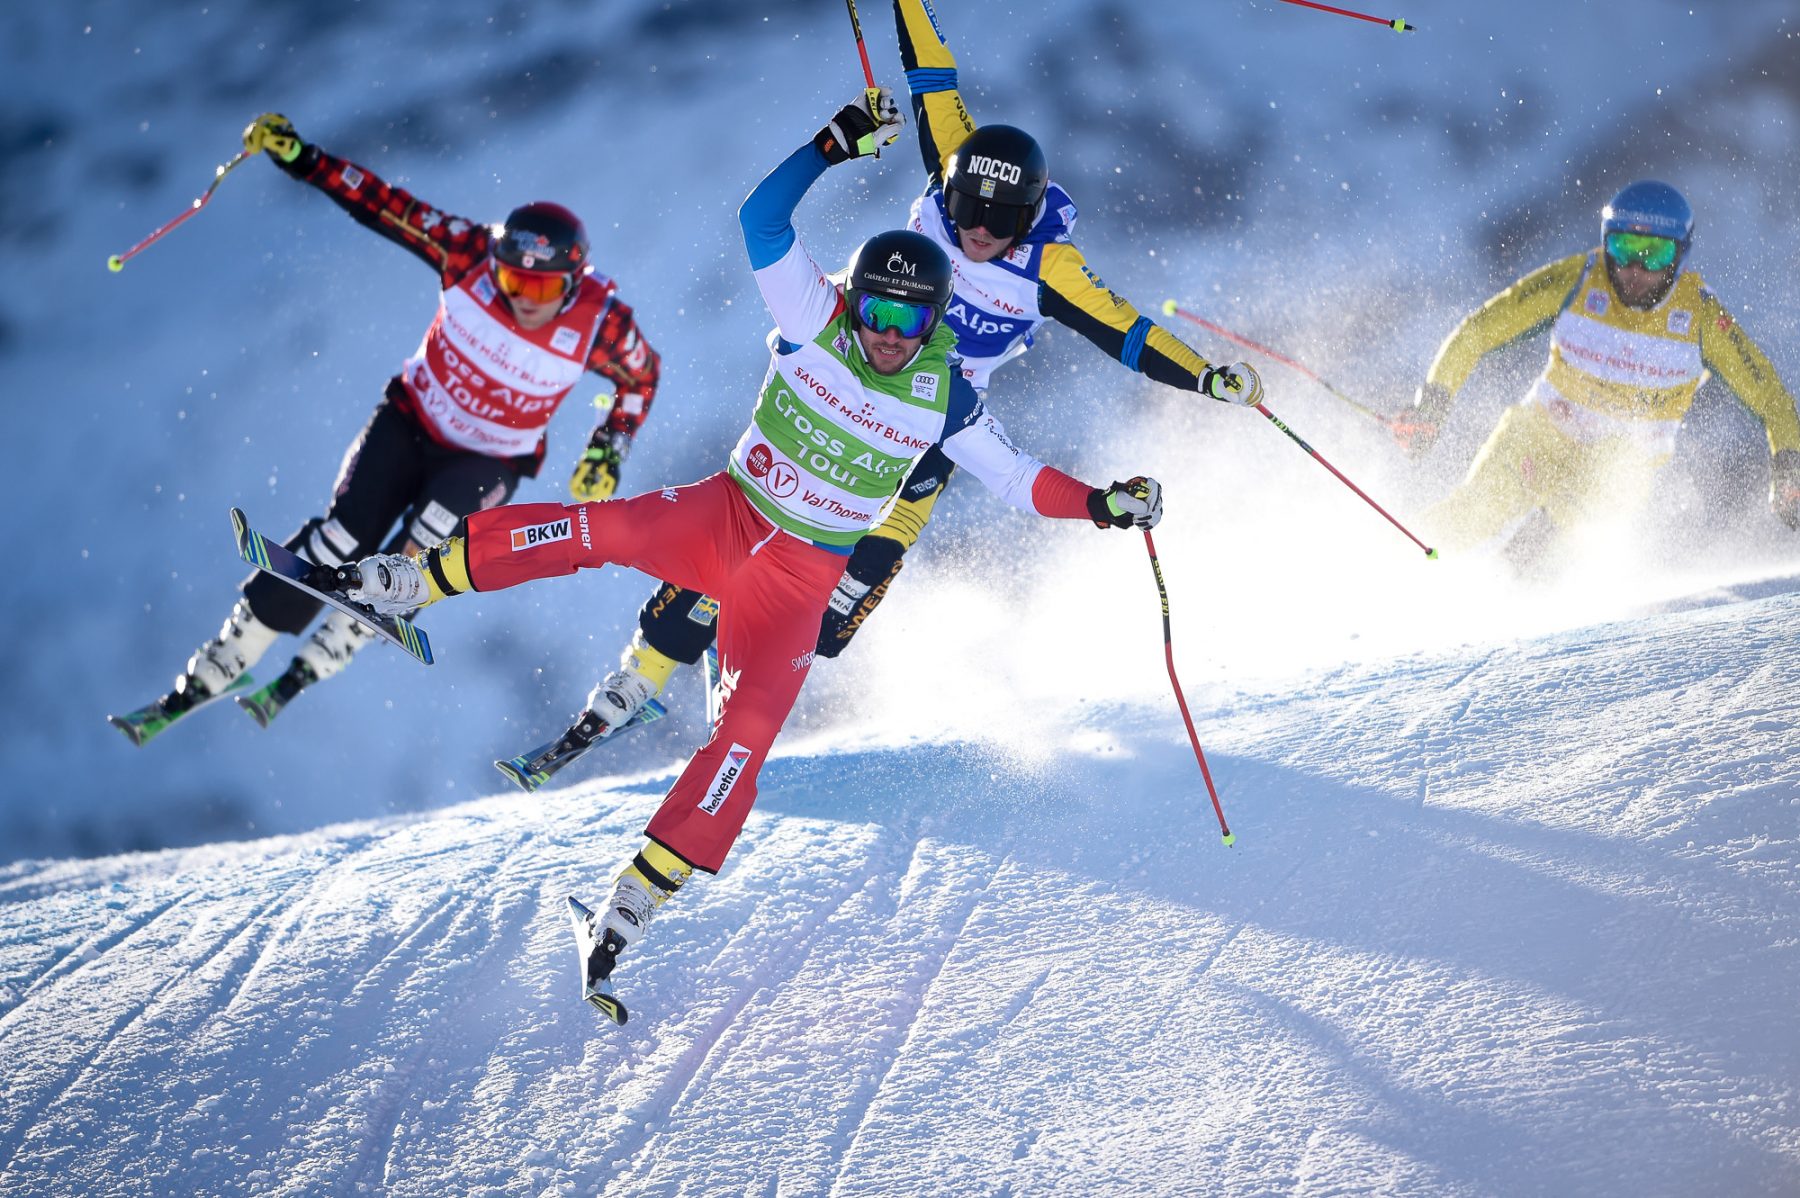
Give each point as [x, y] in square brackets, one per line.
[529, 771]
[711, 663]
[604, 1000]
[275, 558]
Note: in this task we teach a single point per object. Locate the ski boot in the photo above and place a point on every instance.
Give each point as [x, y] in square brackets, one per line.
[624, 699]
[218, 668]
[644, 885]
[326, 652]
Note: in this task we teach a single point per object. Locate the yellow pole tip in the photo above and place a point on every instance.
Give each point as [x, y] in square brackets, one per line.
[1230, 839]
[1400, 26]
[1169, 307]
[1432, 554]
[115, 264]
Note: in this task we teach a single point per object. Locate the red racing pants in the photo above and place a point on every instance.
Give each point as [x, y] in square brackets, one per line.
[772, 588]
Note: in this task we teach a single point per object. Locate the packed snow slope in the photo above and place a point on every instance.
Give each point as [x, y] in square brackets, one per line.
[1324, 186]
[1500, 920]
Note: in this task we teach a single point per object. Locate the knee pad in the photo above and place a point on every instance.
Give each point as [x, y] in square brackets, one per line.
[679, 623]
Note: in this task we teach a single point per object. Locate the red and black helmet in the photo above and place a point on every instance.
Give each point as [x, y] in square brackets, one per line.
[540, 253]
[544, 237]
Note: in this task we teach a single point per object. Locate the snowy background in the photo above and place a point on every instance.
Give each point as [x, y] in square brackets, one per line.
[1512, 902]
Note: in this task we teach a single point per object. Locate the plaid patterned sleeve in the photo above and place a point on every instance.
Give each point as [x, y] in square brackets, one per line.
[622, 355]
[450, 244]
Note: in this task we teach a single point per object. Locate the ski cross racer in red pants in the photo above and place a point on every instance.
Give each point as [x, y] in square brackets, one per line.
[1009, 231]
[862, 381]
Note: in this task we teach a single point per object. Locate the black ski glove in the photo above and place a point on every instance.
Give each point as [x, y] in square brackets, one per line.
[1133, 504]
[864, 585]
[861, 129]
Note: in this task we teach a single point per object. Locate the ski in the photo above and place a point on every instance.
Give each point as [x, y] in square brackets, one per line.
[266, 704]
[713, 702]
[597, 991]
[152, 719]
[274, 558]
[529, 771]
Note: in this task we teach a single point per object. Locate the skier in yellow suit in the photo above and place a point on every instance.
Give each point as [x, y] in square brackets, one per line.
[1632, 335]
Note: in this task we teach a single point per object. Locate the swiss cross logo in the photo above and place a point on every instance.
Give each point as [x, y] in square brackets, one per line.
[541, 534]
[736, 758]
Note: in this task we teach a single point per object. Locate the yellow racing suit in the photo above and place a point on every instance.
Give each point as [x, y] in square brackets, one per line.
[1600, 421]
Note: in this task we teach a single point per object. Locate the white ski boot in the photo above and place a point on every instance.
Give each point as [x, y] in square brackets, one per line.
[618, 697]
[653, 875]
[332, 645]
[216, 665]
[392, 584]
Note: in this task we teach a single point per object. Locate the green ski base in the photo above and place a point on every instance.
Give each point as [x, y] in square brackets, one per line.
[151, 720]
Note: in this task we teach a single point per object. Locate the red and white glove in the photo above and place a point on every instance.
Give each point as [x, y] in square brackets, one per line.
[1416, 428]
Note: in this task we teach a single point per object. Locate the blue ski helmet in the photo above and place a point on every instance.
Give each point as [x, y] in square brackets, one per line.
[1649, 207]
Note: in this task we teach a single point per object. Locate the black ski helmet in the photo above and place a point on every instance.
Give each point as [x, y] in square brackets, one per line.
[904, 265]
[996, 181]
[544, 237]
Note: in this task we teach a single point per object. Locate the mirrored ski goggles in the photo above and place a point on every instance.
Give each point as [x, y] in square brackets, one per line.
[880, 313]
[1653, 253]
[1001, 220]
[536, 286]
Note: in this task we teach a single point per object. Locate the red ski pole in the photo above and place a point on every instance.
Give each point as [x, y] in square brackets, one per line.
[117, 261]
[1171, 308]
[863, 51]
[1319, 458]
[1181, 700]
[1397, 25]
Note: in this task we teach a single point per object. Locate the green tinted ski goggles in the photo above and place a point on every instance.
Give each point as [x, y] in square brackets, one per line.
[1654, 254]
[881, 314]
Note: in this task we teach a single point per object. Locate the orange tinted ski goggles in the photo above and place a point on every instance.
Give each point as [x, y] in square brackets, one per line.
[539, 287]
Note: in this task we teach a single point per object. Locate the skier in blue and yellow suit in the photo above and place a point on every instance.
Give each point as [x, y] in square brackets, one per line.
[1007, 228]
[1632, 335]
